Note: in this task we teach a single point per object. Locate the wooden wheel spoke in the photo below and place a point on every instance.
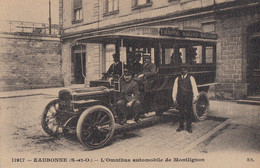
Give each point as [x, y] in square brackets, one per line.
[105, 123]
[92, 140]
[89, 120]
[105, 130]
[47, 119]
[101, 136]
[88, 136]
[52, 121]
[53, 109]
[88, 124]
[56, 106]
[99, 115]
[86, 131]
[102, 119]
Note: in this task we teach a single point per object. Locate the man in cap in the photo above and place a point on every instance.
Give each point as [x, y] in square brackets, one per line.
[185, 92]
[148, 68]
[129, 100]
[115, 69]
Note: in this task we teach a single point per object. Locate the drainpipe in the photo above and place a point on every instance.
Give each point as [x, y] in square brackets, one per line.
[50, 17]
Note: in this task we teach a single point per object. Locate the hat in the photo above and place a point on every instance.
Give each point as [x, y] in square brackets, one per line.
[146, 55]
[185, 66]
[126, 71]
[138, 54]
[115, 55]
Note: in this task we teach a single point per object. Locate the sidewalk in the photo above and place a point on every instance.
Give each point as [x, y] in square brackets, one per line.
[31, 92]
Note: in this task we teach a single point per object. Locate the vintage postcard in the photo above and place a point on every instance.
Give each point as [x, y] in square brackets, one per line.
[137, 83]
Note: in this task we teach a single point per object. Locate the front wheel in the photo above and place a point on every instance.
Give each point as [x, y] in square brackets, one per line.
[201, 107]
[95, 127]
[50, 120]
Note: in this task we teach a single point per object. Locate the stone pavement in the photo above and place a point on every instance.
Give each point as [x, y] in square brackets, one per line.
[159, 132]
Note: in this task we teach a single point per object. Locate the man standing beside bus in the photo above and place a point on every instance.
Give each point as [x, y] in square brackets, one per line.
[185, 92]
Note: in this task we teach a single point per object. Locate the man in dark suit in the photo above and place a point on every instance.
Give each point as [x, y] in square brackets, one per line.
[184, 93]
[134, 65]
[129, 100]
[116, 67]
[148, 67]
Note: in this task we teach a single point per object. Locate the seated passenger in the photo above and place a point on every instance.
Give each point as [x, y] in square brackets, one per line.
[115, 69]
[148, 68]
[134, 66]
[129, 100]
[176, 58]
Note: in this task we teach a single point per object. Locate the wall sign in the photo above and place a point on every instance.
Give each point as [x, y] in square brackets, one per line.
[169, 31]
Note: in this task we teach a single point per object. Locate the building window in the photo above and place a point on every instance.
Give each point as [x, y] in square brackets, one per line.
[141, 3]
[77, 11]
[111, 7]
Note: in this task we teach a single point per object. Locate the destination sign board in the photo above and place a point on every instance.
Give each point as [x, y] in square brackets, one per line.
[169, 31]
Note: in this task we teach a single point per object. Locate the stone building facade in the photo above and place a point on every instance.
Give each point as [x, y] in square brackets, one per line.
[235, 22]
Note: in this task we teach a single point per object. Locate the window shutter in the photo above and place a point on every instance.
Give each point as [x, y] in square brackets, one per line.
[77, 4]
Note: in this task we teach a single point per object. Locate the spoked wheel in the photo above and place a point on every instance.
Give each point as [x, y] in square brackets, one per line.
[201, 107]
[51, 119]
[95, 127]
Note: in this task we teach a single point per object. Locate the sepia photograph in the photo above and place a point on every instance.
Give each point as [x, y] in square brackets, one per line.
[130, 83]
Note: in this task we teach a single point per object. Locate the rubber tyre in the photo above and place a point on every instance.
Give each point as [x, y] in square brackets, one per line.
[50, 115]
[87, 127]
[201, 107]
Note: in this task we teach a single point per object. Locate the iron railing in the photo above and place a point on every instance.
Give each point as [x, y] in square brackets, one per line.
[29, 28]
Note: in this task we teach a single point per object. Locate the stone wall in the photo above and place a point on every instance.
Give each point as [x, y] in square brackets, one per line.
[29, 62]
[231, 53]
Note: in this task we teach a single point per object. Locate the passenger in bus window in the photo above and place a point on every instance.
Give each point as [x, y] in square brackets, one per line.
[115, 69]
[176, 58]
[148, 68]
[185, 92]
[134, 65]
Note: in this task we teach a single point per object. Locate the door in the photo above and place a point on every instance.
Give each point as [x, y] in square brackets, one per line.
[79, 68]
[255, 65]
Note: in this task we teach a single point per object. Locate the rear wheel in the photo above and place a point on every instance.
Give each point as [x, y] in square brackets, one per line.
[95, 127]
[50, 120]
[201, 107]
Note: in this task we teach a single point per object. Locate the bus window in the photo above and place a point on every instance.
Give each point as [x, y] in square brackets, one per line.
[198, 58]
[168, 53]
[110, 50]
[209, 54]
[152, 55]
[183, 55]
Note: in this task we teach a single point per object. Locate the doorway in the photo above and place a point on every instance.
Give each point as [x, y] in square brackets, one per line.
[254, 59]
[78, 64]
[255, 66]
